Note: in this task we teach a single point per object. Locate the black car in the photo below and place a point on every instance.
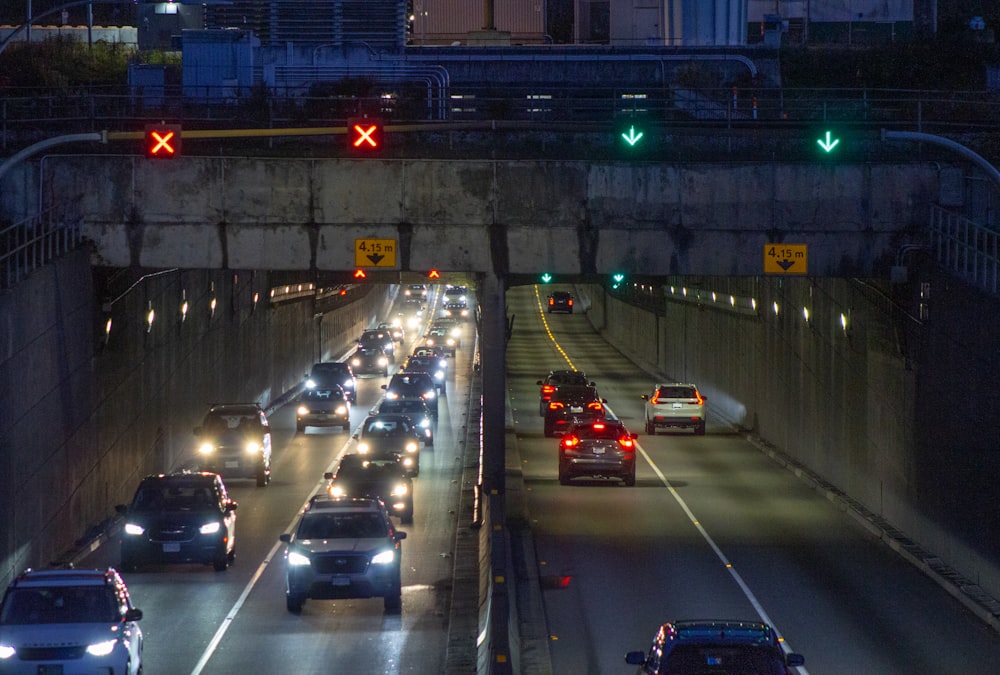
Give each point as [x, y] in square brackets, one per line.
[234, 440]
[343, 548]
[329, 373]
[715, 647]
[442, 338]
[601, 449]
[560, 301]
[573, 404]
[375, 337]
[178, 518]
[370, 360]
[554, 380]
[384, 479]
[414, 408]
[435, 366]
[323, 407]
[413, 385]
[385, 436]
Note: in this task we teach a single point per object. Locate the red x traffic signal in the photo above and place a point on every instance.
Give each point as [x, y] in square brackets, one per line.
[364, 135]
[162, 141]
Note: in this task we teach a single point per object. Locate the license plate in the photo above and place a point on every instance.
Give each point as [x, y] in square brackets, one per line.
[576, 408]
[232, 464]
[56, 669]
[598, 451]
[676, 406]
[323, 417]
[340, 581]
[171, 547]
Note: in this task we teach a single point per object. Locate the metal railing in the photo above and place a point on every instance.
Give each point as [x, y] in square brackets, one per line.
[966, 248]
[28, 245]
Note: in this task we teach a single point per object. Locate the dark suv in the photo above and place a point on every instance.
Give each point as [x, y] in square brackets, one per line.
[235, 441]
[554, 380]
[179, 517]
[323, 407]
[384, 436]
[560, 301]
[715, 647]
[343, 548]
[385, 479]
[573, 404]
[373, 337]
[328, 373]
[413, 385]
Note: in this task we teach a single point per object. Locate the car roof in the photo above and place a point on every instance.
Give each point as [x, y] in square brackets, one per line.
[324, 502]
[70, 577]
[236, 408]
[189, 477]
[561, 294]
[721, 632]
[331, 365]
[574, 390]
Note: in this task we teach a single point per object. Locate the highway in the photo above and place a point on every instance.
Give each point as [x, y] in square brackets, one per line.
[200, 621]
[713, 529]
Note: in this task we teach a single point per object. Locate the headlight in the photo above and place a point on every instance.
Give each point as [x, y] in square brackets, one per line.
[451, 342]
[349, 384]
[337, 491]
[362, 447]
[384, 558]
[252, 447]
[391, 395]
[133, 529]
[382, 361]
[6, 651]
[408, 462]
[102, 648]
[429, 395]
[310, 384]
[341, 410]
[455, 332]
[302, 410]
[206, 448]
[430, 342]
[296, 559]
[209, 528]
[425, 423]
[355, 362]
[439, 375]
[411, 446]
[399, 490]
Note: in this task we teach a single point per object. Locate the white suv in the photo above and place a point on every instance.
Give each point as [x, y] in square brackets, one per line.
[75, 621]
[675, 405]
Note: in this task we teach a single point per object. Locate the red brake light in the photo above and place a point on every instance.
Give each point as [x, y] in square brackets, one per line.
[595, 405]
[626, 442]
[552, 301]
[555, 405]
[570, 441]
[548, 388]
[571, 303]
[598, 425]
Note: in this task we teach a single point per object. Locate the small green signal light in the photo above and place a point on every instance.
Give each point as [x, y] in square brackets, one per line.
[546, 278]
[828, 143]
[632, 136]
[617, 280]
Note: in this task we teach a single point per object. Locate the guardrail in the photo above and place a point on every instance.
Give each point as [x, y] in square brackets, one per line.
[34, 242]
[966, 248]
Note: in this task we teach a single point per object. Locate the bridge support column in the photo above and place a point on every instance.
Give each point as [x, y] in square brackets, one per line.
[493, 337]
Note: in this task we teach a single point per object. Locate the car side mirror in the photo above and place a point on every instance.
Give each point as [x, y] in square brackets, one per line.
[604, 400]
[133, 614]
[328, 475]
[355, 437]
[285, 537]
[593, 384]
[636, 658]
[399, 536]
[385, 386]
[231, 505]
[645, 397]
[704, 398]
[538, 382]
[633, 436]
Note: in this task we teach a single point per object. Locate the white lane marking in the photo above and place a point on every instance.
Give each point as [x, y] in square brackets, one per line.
[231, 616]
[718, 551]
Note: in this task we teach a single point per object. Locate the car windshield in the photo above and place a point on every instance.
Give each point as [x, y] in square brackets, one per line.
[329, 369]
[341, 526]
[405, 406]
[60, 604]
[217, 423]
[384, 428]
[180, 497]
[725, 659]
[575, 394]
[323, 394]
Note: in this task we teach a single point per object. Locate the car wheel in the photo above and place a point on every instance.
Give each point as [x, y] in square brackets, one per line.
[650, 428]
[549, 430]
[294, 603]
[220, 563]
[629, 479]
[299, 428]
[700, 429]
[563, 476]
[541, 408]
[262, 479]
[393, 602]
[406, 517]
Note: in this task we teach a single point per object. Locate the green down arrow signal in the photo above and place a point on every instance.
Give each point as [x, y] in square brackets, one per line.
[632, 137]
[829, 144]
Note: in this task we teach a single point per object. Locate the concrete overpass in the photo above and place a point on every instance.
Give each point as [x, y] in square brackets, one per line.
[508, 218]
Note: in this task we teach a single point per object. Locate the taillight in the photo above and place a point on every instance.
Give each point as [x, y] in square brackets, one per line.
[626, 442]
[655, 400]
[548, 388]
[552, 301]
[698, 398]
[598, 425]
[570, 303]
[570, 441]
[595, 405]
[555, 405]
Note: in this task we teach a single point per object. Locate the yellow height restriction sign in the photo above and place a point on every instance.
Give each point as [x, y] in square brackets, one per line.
[786, 259]
[374, 252]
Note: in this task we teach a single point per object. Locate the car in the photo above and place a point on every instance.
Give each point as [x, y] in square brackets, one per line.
[328, 373]
[374, 337]
[560, 301]
[456, 293]
[397, 330]
[675, 405]
[234, 440]
[343, 548]
[435, 366]
[431, 350]
[456, 309]
[384, 479]
[411, 384]
[384, 436]
[718, 646]
[604, 449]
[370, 360]
[179, 517]
[553, 381]
[573, 404]
[439, 336]
[69, 621]
[414, 408]
[418, 291]
[323, 407]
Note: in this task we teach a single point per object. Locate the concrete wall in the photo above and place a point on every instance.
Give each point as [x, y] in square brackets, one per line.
[898, 412]
[84, 421]
[507, 217]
